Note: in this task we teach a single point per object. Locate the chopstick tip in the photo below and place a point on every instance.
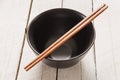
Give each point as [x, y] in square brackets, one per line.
[26, 69]
[105, 5]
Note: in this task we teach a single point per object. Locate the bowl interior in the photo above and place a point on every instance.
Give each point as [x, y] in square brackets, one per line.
[50, 25]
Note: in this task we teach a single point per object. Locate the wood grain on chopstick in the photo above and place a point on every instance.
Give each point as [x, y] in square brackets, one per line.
[66, 36]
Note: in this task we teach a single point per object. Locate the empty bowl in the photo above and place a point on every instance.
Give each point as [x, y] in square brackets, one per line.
[50, 25]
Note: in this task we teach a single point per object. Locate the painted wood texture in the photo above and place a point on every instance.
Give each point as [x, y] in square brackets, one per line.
[101, 63]
[13, 15]
[107, 41]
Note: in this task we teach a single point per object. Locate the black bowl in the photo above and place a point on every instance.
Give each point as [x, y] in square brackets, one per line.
[48, 26]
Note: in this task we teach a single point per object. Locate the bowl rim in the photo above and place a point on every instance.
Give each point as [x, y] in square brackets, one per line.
[72, 58]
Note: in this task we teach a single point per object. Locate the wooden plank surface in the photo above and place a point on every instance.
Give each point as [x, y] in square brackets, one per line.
[114, 21]
[85, 69]
[104, 64]
[40, 71]
[13, 17]
[107, 43]
[71, 73]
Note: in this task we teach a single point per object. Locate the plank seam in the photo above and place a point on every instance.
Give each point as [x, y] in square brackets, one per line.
[61, 3]
[96, 75]
[94, 52]
[42, 72]
[21, 51]
[81, 69]
[57, 73]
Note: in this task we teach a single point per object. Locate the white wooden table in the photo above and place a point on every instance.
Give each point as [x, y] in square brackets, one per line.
[101, 63]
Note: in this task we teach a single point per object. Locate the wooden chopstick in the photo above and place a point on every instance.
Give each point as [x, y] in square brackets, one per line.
[66, 36]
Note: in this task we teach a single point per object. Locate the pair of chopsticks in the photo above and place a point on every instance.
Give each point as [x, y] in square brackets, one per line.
[66, 36]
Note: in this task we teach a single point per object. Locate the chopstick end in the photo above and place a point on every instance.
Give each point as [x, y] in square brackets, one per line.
[26, 69]
[105, 5]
